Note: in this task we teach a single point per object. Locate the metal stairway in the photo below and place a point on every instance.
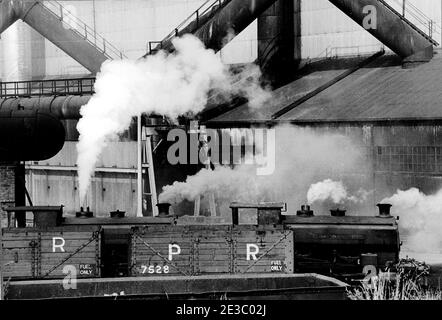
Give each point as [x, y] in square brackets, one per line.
[57, 24]
[189, 25]
[417, 15]
[80, 28]
[393, 29]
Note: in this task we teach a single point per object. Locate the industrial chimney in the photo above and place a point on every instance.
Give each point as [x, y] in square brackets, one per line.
[384, 210]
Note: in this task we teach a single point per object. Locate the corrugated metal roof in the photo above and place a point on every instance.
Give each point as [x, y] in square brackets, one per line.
[386, 92]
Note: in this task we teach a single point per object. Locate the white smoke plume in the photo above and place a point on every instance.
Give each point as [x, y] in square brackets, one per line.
[335, 191]
[327, 190]
[299, 162]
[223, 182]
[420, 218]
[166, 84]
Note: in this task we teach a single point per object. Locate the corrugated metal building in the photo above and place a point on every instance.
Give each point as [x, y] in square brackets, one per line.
[393, 113]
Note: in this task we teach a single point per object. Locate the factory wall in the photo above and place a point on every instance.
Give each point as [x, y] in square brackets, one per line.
[400, 155]
[392, 156]
[382, 159]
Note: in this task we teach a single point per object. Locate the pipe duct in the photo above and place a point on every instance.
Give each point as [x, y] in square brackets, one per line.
[393, 30]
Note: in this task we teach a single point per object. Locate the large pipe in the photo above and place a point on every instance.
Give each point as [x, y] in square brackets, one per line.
[220, 28]
[29, 136]
[276, 41]
[391, 29]
[63, 107]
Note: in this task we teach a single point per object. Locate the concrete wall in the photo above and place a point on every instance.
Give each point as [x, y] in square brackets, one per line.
[401, 156]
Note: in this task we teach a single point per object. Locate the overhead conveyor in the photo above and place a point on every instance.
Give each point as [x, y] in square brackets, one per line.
[62, 28]
[215, 23]
[391, 28]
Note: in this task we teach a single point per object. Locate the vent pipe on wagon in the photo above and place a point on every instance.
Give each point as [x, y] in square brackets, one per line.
[393, 30]
[305, 211]
[384, 210]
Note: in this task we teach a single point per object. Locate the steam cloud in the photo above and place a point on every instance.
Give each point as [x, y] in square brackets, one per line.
[166, 84]
[420, 218]
[327, 189]
[299, 162]
[334, 191]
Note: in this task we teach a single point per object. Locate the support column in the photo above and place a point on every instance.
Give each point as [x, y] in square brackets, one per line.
[20, 191]
[277, 42]
[139, 170]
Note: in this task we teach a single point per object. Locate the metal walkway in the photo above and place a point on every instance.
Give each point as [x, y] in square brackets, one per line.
[61, 27]
[417, 15]
[40, 88]
[192, 23]
[82, 29]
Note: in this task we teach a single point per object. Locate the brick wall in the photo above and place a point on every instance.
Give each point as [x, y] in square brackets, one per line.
[7, 190]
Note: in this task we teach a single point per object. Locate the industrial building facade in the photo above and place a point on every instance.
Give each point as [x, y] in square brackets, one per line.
[393, 113]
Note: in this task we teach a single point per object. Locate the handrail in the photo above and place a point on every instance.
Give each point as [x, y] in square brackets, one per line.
[54, 87]
[428, 35]
[82, 29]
[421, 17]
[195, 16]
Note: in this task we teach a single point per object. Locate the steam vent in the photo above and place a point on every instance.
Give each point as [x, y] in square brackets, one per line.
[220, 149]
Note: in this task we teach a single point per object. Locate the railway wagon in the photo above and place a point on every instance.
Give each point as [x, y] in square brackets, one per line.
[344, 246]
[194, 250]
[50, 253]
[338, 245]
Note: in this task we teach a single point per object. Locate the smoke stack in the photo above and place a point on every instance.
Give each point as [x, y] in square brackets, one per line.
[305, 211]
[384, 210]
[163, 209]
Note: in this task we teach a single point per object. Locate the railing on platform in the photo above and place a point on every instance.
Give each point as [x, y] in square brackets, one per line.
[416, 19]
[77, 86]
[208, 7]
[83, 30]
